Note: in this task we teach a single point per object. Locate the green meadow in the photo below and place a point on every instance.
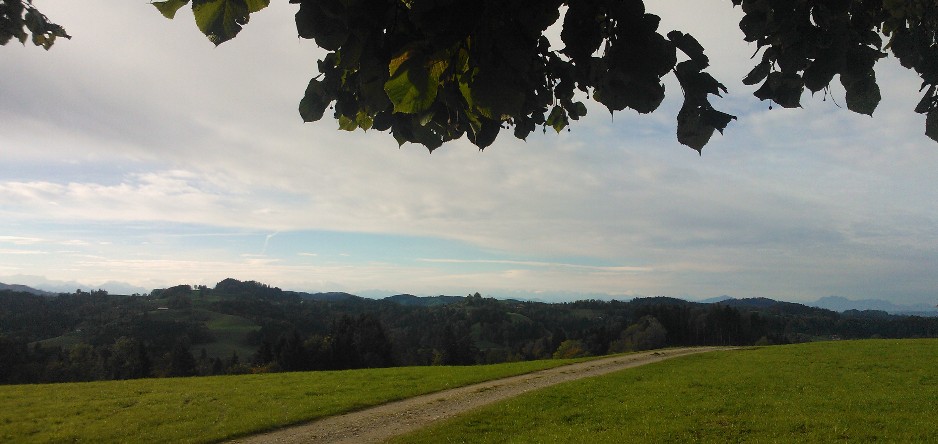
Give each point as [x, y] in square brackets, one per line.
[850, 391]
[207, 409]
[854, 391]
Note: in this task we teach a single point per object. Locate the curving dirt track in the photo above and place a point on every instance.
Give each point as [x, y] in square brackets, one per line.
[377, 424]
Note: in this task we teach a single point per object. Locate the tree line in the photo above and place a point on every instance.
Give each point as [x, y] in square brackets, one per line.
[84, 336]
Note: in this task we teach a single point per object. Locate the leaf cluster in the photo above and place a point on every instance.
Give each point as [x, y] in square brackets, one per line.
[19, 19]
[429, 72]
[806, 43]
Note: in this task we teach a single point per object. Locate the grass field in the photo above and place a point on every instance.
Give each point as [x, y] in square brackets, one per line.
[850, 391]
[229, 332]
[212, 408]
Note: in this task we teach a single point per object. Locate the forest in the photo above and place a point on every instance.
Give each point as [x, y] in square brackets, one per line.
[250, 327]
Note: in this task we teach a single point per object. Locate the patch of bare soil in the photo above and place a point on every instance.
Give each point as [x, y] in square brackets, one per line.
[379, 423]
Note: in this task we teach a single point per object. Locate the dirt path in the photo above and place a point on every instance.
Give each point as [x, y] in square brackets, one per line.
[377, 424]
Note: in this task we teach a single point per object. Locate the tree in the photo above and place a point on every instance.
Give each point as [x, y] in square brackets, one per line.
[129, 359]
[571, 348]
[646, 334]
[181, 361]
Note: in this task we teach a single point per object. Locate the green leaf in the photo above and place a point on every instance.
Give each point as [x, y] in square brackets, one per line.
[557, 119]
[169, 7]
[363, 120]
[257, 5]
[221, 20]
[347, 124]
[414, 82]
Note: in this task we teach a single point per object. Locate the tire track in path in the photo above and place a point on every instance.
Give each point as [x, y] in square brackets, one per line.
[377, 424]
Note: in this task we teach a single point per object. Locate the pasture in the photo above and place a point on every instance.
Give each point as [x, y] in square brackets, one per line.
[838, 391]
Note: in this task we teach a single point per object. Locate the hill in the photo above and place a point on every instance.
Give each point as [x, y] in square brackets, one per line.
[24, 289]
[247, 326]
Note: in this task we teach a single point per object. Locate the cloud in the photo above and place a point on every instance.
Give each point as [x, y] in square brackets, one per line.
[541, 264]
[6, 251]
[163, 160]
[20, 240]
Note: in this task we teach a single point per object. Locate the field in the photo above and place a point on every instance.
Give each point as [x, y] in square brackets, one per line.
[856, 391]
[208, 409]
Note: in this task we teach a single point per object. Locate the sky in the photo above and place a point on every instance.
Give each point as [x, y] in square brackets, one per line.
[137, 155]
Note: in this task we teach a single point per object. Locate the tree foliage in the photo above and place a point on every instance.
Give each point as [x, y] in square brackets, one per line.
[95, 336]
[432, 71]
[19, 18]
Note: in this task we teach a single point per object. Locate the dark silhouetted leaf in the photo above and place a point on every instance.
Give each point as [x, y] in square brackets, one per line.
[758, 73]
[783, 88]
[486, 134]
[862, 93]
[691, 129]
[716, 119]
[927, 103]
[931, 125]
[819, 74]
[690, 46]
[314, 102]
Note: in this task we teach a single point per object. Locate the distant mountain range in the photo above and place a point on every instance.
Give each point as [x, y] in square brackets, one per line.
[24, 289]
[839, 304]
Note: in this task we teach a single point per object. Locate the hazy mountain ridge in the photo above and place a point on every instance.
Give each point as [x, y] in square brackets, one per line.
[842, 304]
[838, 304]
[25, 289]
[249, 326]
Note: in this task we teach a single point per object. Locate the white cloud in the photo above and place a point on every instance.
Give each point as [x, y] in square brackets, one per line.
[20, 240]
[171, 131]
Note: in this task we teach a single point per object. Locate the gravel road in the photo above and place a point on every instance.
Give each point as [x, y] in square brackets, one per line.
[377, 424]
